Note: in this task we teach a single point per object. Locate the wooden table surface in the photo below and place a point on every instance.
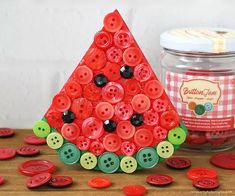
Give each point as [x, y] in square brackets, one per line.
[15, 182]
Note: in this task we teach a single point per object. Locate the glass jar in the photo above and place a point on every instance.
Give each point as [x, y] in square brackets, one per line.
[198, 71]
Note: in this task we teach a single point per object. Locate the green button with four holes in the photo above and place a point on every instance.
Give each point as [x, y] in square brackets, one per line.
[69, 154]
[88, 160]
[147, 157]
[55, 140]
[177, 136]
[41, 128]
[128, 164]
[108, 162]
[165, 149]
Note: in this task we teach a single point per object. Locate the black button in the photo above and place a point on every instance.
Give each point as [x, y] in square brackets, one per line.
[100, 80]
[109, 125]
[68, 116]
[137, 119]
[126, 72]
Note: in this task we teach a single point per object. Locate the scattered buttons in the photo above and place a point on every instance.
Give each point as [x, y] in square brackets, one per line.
[34, 140]
[140, 103]
[83, 143]
[114, 55]
[123, 39]
[84, 74]
[112, 22]
[143, 137]
[73, 89]
[97, 148]
[142, 72]
[147, 157]
[69, 154]
[225, 160]
[153, 89]
[99, 182]
[7, 153]
[151, 118]
[92, 128]
[132, 87]
[126, 72]
[123, 110]
[178, 162]
[108, 162]
[92, 92]
[206, 183]
[165, 149]
[104, 110]
[27, 151]
[112, 142]
[134, 190]
[159, 179]
[196, 173]
[100, 80]
[41, 129]
[176, 136]
[38, 180]
[128, 164]
[95, 58]
[137, 120]
[61, 102]
[112, 71]
[55, 140]
[70, 131]
[60, 181]
[113, 92]
[132, 56]
[103, 39]
[68, 116]
[109, 125]
[6, 132]
[125, 130]
[128, 148]
[88, 160]
[82, 108]
[2, 180]
[169, 119]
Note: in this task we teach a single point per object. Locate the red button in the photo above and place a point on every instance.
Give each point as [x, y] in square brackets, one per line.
[99, 182]
[61, 102]
[7, 153]
[82, 108]
[83, 143]
[159, 179]
[73, 89]
[112, 71]
[2, 180]
[159, 133]
[60, 181]
[123, 39]
[196, 137]
[151, 118]
[206, 183]
[92, 128]
[160, 105]
[134, 190]
[70, 131]
[114, 55]
[125, 130]
[103, 39]
[140, 103]
[6, 132]
[95, 59]
[128, 148]
[112, 142]
[169, 119]
[54, 119]
[153, 89]
[97, 148]
[113, 22]
[113, 92]
[196, 173]
[92, 92]
[34, 140]
[27, 150]
[216, 137]
[178, 162]
[132, 87]
[143, 137]
[104, 110]
[224, 160]
[123, 110]
[142, 72]
[84, 74]
[38, 180]
[132, 56]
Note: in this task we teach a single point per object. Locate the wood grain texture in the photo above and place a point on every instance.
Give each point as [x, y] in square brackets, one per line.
[15, 182]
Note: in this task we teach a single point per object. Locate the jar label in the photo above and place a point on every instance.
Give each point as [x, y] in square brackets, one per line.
[205, 103]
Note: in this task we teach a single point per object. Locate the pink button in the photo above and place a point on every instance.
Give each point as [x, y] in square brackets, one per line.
[143, 137]
[159, 133]
[160, 105]
[54, 119]
[125, 130]
[151, 117]
[113, 92]
[153, 89]
[84, 74]
[132, 56]
[97, 148]
[123, 39]
[92, 92]
[61, 102]
[112, 71]
[82, 108]
[104, 110]
[92, 128]
[95, 58]
[83, 143]
[142, 72]
[103, 39]
[73, 89]
[70, 131]
[140, 103]
[123, 110]
[112, 142]
[128, 148]
[132, 87]
[114, 55]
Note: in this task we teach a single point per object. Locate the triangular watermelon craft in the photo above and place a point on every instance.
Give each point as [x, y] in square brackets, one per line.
[113, 113]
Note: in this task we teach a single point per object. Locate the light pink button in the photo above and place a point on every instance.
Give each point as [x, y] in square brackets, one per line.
[142, 72]
[123, 110]
[128, 148]
[125, 130]
[113, 92]
[92, 128]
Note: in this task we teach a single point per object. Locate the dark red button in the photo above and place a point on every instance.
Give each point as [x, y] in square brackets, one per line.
[143, 137]
[38, 180]
[134, 190]
[97, 148]
[114, 55]
[132, 56]
[95, 59]
[123, 39]
[60, 181]
[140, 103]
[159, 179]
[54, 119]
[112, 71]
[160, 105]
[84, 74]
[196, 137]
[61, 102]
[128, 148]
[159, 133]
[196, 173]
[123, 110]
[216, 137]
[70, 131]
[27, 151]
[92, 128]
[125, 129]
[153, 89]
[73, 89]
[103, 39]
[113, 92]
[151, 117]
[34, 140]
[7, 153]
[132, 87]
[113, 22]
[104, 110]
[2, 180]
[6, 132]
[112, 142]
[92, 92]
[206, 183]
[99, 182]
[169, 119]
[142, 72]
[225, 160]
[83, 143]
[82, 108]
[178, 162]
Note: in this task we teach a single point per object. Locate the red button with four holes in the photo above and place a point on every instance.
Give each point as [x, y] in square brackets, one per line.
[123, 110]
[6, 132]
[159, 133]
[112, 71]
[125, 130]
[38, 180]
[151, 117]
[84, 74]
[61, 102]
[83, 143]
[132, 56]
[97, 148]
[134, 190]
[169, 119]
[128, 148]
[140, 103]
[143, 137]
[34, 140]
[160, 105]
[132, 87]
[54, 119]
[92, 92]
[142, 72]
[103, 39]
[92, 128]
[70, 131]
[123, 39]
[73, 89]
[95, 58]
[112, 142]
[113, 22]
[113, 92]
[7, 153]
[153, 89]
[82, 108]
[104, 110]
[114, 55]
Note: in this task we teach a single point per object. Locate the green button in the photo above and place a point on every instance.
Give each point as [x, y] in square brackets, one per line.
[69, 154]
[177, 136]
[147, 157]
[128, 164]
[108, 162]
[165, 149]
[55, 140]
[88, 160]
[41, 128]
[200, 109]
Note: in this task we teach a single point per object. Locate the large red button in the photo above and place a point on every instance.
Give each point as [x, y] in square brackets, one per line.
[54, 119]
[128, 148]
[123, 39]
[95, 58]
[70, 131]
[61, 102]
[125, 130]
[97, 148]
[153, 89]
[132, 56]
[92, 92]
[132, 87]
[160, 105]
[169, 119]
[82, 108]
[104, 110]
[92, 128]
[151, 117]
[140, 103]
[114, 55]
[112, 142]
[134, 190]
[113, 92]
[112, 71]
[84, 74]
[38, 180]
[83, 143]
[73, 89]
[113, 22]
[143, 137]
[103, 39]
[159, 133]
[123, 110]
[142, 72]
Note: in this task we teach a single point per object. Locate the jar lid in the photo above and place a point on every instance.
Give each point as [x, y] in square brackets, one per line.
[206, 40]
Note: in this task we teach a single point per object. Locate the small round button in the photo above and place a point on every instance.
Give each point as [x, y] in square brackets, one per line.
[137, 120]
[112, 71]
[125, 130]
[114, 55]
[84, 74]
[69, 154]
[92, 92]
[104, 110]
[142, 72]
[159, 133]
[128, 148]
[147, 157]
[55, 140]
[88, 160]
[70, 131]
[123, 110]
[128, 164]
[140, 103]
[113, 92]
[92, 128]
[82, 108]
[132, 87]
[68, 116]
[112, 142]
[151, 118]
[61, 102]
[54, 119]
[100, 80]
[123, 39]
[126, 72]
[200, 109]
[169, 119]
[143, 137]
[113, 22]
[208, 106]
[83, 143]
[165, 149]
[97, 148]
[108, 162]
[73, 89]
[41, 128]
[160, 105]
[103, 39]
[176, 136]
[153, 89]
[134, 190]
[95, 58]
[132, 56]
[109, 125]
